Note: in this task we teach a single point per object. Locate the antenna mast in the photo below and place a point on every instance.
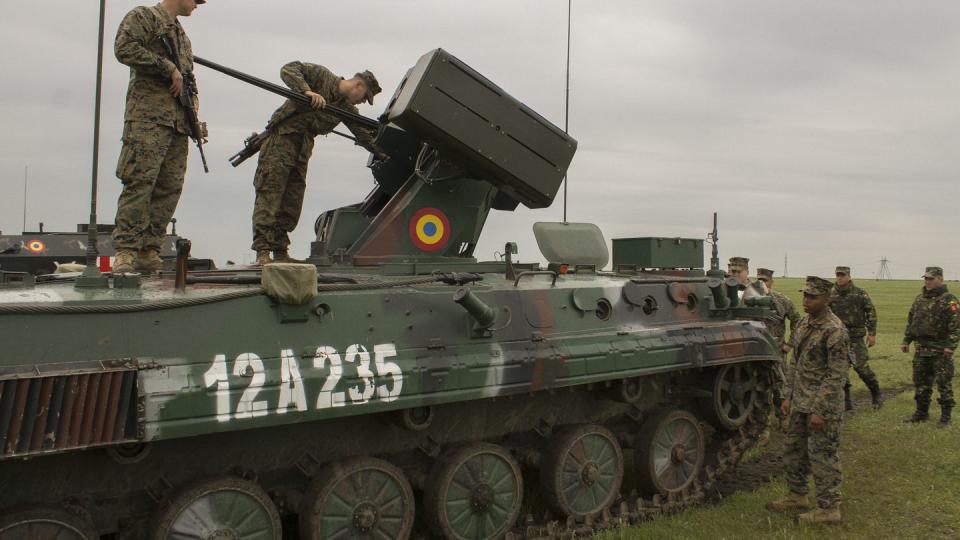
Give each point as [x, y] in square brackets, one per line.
[566, 111]
[92, 278]
[25, 169]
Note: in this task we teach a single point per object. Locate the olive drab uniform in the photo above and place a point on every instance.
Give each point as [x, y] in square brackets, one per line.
[821, 348]
[783, 310]
[281, 174]
[932, 326]
[153, 159]
[855, 309]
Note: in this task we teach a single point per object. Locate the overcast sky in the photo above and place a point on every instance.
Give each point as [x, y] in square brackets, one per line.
[822, 130]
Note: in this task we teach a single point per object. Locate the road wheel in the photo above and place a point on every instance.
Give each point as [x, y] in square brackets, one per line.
[582, 470]
[358, 498]
[225, 507]
[474, 492]
[735, 389]
[45, 523]
[669, 452]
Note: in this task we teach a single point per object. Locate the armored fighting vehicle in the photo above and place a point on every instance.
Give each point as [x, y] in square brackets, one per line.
[396, 383]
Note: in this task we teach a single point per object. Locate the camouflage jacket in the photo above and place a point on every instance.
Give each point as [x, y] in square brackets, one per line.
[293, 117]
[821, 357]
[932, 321]
[783, 311]
[855, 308]
[139, 46]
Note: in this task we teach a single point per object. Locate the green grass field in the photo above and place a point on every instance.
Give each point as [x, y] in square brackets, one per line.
[900, 481]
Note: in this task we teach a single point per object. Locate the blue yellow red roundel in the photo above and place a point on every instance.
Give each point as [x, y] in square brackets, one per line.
[429, 229]
[36, 246]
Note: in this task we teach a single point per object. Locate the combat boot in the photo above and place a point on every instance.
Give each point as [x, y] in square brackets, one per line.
[790, 502]
[944, 417]
[876, 396]
[920, 416]
[282, 256]
[263, 257]
[821, 515]
[124, 260]
[847, 399]
[148, 261]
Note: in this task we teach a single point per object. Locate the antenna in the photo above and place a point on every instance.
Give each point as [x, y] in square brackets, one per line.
[25, 174]
[92, 278]
[566, 111]
[884, 272]
[713, 237]
[785, 266]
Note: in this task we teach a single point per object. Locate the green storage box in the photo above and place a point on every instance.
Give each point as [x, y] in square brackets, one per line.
[658, 252]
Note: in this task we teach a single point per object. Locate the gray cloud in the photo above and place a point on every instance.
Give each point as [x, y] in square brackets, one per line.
[826, 130]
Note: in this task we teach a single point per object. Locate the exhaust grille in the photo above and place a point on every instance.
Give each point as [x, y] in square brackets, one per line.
[56, 413]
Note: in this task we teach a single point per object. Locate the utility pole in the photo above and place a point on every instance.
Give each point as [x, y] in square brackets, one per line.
[785, 274]
[884, 272]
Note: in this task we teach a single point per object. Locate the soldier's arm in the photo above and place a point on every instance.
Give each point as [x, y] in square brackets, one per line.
[953, 322]
[870, 314]
[364, 137]
[294, 75]
[135, 31]
[794, 317]
[907, 336]
[831, 387]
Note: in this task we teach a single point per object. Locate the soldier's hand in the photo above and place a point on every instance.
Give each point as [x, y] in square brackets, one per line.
[316, 100]
[785, 407]
[816, 422]
[948, 353]
[176, 83]
[905, 347]
[784, 348]
[871, 341]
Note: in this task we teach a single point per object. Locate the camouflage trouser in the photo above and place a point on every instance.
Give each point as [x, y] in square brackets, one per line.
[809, 451]
[280, 181]
[928, 369]
[858, 346]
[152, 163]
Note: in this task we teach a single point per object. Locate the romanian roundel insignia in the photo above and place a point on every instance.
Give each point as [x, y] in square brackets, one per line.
[36, 246]
[429, 229]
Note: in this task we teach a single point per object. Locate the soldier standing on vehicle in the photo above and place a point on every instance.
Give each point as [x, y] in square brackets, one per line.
[281, 174]
[933, 326]
[814, 403]
[783, 310]
[153, 159]
[855, 308]
[739, 269]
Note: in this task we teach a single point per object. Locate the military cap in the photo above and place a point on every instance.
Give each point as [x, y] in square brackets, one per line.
[933, 271]
[843, 270]
[738, 263]
[817, 286]
[201, 1]
[373, 87]
[764, 272]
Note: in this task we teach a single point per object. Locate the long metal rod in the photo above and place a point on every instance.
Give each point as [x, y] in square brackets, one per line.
[25, 175]
[92, 228]
[342, 114]
[566, 112]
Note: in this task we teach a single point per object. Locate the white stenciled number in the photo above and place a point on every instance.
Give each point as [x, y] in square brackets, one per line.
[385, 368]
[327, 397]
[360, 355]
[291, 384]
[250, 365]
[217, 375]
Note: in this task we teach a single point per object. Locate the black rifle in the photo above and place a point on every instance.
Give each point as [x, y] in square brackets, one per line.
[252, 144]
[188, 100]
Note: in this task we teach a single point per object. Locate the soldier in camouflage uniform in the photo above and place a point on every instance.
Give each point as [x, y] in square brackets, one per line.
[933, 326]
[739, 269]
[281, 174]
[855, 308]
[783, 311]
[814, 403]
[153, 159]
